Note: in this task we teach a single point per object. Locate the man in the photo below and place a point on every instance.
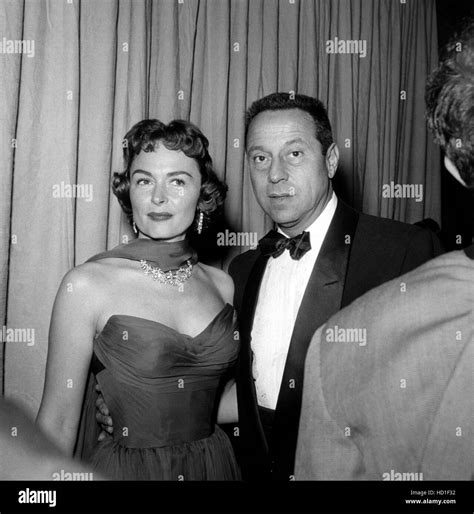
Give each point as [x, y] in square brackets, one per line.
[399, 406]
[283, 294]
[289, 286]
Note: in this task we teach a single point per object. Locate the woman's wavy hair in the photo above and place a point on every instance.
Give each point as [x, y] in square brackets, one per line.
[177, 135]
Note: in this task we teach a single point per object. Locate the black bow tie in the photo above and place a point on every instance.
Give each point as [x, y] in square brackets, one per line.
[275, 244]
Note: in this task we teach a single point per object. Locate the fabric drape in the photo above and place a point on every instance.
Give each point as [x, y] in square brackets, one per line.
[99, 67]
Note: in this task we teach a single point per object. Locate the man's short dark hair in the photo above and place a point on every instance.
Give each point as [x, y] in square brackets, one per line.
[182, 135]
[286, 101]
[450, 102]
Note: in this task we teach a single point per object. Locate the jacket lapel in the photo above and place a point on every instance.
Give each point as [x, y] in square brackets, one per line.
[249, 418]
[322, 298]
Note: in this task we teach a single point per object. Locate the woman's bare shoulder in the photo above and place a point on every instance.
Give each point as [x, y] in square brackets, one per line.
[87, 278]
[85, 273]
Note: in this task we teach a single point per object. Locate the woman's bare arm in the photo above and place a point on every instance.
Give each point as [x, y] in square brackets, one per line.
[71, 335]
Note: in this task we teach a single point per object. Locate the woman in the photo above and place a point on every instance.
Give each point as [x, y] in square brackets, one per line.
[157, 325]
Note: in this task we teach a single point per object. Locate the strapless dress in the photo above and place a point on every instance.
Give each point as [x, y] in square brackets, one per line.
[162, 389]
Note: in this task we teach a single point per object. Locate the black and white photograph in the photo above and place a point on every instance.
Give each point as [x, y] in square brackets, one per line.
[237, 256]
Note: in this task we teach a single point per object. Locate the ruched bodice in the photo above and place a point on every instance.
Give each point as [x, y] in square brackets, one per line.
[161, 389]
[160, 385]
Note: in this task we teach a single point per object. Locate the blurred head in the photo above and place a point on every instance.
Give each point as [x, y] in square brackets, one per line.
[292, 157]
[450, 104]
[168, 177]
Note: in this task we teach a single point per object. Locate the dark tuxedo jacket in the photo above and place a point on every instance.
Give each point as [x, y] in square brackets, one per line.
[359, 253]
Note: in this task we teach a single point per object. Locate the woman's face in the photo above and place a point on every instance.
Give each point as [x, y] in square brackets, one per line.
[164, 191]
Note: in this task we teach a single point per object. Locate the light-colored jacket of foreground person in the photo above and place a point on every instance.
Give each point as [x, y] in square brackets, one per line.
[389, 381]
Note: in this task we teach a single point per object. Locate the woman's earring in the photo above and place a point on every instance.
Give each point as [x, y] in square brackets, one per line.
[134, 226]
[200, 222]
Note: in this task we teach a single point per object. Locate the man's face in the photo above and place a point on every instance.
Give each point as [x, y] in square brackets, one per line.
[289, 174]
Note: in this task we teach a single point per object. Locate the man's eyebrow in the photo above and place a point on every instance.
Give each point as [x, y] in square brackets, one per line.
[296, 140]
[254, 148]
[260, 148]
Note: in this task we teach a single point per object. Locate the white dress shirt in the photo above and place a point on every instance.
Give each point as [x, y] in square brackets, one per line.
[281, 291]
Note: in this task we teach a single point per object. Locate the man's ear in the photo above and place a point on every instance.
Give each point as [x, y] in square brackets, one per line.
[332, 160]
[453, 170]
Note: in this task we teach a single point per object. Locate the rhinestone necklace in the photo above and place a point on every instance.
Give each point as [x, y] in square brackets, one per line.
[172, 278]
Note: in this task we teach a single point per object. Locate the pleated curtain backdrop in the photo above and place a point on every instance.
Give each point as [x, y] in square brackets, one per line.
[99, 67]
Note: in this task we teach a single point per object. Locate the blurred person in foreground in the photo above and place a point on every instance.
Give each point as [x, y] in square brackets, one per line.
[389, 385]
[27, 454]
